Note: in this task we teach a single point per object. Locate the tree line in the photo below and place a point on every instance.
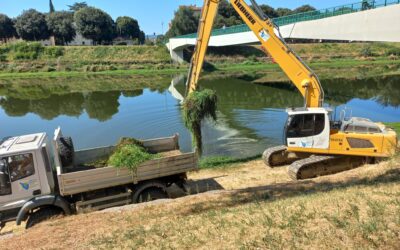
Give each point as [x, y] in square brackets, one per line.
[90, 22]
[186, 18]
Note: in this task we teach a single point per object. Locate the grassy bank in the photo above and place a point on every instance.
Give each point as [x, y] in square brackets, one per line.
[32, 57]
[254, 207]
[32, 60]
[257, 71]
[395, 126]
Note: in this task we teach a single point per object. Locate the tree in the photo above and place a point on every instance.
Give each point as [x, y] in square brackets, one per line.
[7, 29]
[51, 7]
[284, 11]
[160, 40]
[365, 5]
[127, 27]
[227, 16]
[221, 22]
[269, 11]
[184, 22]
[94, 24]
[31, 25]
[226, 10]
[304, 8]
[77, 6]
[142, 37]
[61, 25]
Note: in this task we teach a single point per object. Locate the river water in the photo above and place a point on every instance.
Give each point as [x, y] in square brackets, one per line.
[97, 111]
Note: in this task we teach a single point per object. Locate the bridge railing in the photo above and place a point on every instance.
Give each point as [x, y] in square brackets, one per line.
[307, 16]
[334, 11]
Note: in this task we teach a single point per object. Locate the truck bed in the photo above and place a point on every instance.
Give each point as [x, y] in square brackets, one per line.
[171, 162]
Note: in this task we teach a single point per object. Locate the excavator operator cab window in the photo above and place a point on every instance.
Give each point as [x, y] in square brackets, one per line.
[305, 125]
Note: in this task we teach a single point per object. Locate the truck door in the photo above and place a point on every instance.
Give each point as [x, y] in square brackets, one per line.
[5, 182]
[23, 177]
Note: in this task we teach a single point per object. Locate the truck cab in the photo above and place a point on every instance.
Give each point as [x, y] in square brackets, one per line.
[25, 172]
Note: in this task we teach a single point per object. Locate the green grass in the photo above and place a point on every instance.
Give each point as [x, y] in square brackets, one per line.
[395, 126]
[224, 161]
[333, 67]
[77, 73]
[34, 60]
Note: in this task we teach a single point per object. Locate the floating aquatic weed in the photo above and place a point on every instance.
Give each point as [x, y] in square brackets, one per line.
[198, 106]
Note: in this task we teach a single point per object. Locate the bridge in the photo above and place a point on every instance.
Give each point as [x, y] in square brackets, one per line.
[372, 20]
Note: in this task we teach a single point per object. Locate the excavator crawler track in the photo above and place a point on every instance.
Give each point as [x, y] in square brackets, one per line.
[279, 156]
[319, 165]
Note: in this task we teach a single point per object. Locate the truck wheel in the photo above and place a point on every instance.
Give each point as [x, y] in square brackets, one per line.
[42, 215]
[151, 194]
[66, 151]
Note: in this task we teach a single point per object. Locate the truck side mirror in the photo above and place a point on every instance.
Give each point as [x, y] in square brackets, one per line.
[5, 182]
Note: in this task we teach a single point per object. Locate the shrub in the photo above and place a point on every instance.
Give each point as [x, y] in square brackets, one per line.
[393, 52]
[50, 69]
[366, 52]
[54, 52]
[26, 51]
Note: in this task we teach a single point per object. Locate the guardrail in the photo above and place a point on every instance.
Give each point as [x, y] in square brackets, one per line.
[307, 16]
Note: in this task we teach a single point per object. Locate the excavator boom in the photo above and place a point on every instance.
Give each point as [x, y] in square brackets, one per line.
[264, 29]
[208, 13]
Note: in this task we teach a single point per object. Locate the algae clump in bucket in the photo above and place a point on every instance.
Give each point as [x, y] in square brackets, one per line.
[198, 106]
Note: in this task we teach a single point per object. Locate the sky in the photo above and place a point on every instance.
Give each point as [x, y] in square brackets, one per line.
[153, 15]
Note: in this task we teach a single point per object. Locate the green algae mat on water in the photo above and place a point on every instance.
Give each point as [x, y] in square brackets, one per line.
[130, 153]
[198, 106]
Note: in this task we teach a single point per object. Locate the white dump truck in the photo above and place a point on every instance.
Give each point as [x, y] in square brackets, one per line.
[39, 180]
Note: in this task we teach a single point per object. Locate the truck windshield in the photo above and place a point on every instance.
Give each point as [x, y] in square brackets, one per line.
[20, 166]
[5, 183]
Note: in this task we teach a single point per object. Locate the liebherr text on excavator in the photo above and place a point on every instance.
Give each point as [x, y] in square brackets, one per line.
[315, 145]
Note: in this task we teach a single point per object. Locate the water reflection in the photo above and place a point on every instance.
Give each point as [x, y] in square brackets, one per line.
[98, 105]
[383, 90]
[250, 116]
[49, 98]
[233, 94]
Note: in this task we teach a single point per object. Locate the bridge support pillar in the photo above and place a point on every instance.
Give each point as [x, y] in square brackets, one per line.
[177, 55]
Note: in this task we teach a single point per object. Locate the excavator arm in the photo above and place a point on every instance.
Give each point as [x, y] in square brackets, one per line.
[208, 13]
[264, 29]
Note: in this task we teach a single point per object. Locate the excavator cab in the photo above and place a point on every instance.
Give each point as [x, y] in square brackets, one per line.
[307, 128]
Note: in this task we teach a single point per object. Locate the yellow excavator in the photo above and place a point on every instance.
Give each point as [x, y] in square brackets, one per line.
[315, 145]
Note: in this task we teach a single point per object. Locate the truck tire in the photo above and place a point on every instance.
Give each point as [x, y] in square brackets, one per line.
[66, 151]
[151, 194]
[43, 214]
